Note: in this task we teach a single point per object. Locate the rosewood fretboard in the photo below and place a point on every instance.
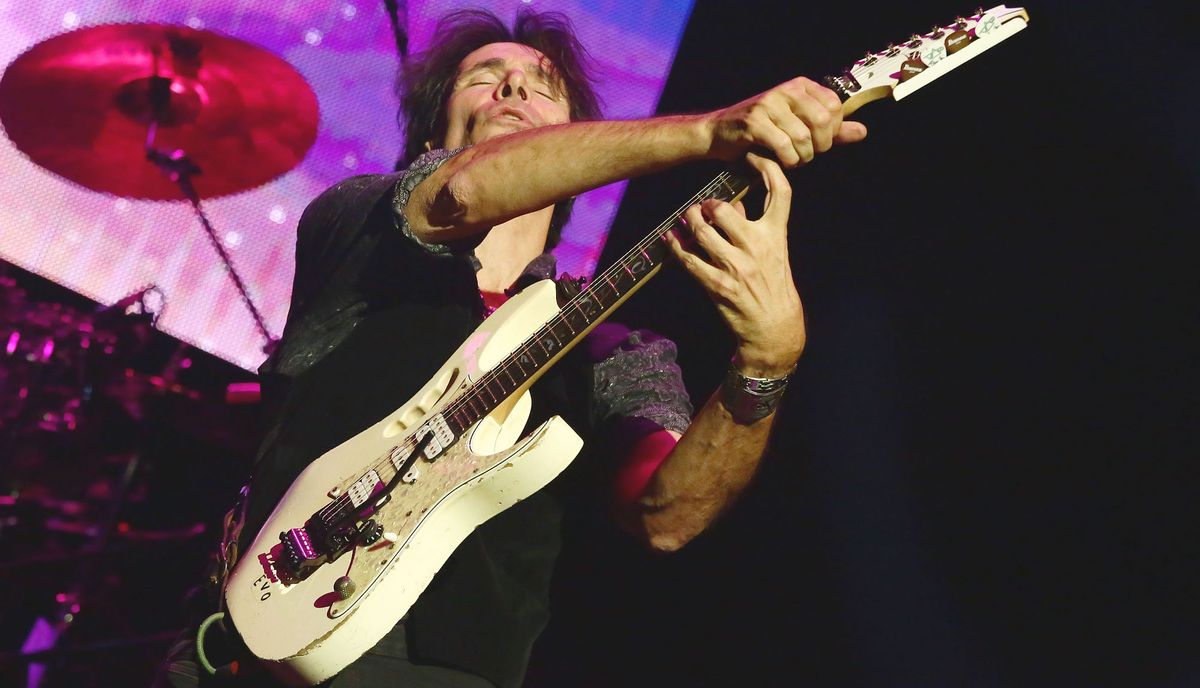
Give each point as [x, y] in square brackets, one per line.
[585, 310]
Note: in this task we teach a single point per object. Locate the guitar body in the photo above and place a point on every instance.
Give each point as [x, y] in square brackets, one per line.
[305, 631]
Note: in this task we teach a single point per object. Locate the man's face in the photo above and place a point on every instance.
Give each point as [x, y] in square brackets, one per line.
[502, 88]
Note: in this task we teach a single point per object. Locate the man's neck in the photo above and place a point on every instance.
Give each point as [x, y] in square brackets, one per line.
[509, 247]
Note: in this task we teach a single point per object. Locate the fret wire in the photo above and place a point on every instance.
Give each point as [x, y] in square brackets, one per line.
[465, 410]
[600, 284]
[490, 382]
[471, 405]
[497, 391]
[524, 353]
[727, 190]
[502, 390]
[606, 280]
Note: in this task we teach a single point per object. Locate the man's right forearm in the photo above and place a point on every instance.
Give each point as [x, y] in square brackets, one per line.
[508, 176]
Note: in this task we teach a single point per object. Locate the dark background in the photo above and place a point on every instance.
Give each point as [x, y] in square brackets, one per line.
[983, 472]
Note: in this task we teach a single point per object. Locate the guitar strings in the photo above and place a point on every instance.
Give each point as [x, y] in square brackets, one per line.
[613, 271]
[461, 403]
[529, 344]
[655, 236]
[606, 277]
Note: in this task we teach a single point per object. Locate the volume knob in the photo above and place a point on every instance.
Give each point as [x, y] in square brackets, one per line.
[344, 587]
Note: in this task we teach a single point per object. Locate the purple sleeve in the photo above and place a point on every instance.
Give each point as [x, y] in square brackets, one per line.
[636, 380]
[416, 173]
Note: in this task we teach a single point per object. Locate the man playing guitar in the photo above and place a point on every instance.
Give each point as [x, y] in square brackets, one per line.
[393, 271]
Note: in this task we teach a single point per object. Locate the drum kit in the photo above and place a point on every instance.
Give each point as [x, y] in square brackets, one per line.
[137, 111]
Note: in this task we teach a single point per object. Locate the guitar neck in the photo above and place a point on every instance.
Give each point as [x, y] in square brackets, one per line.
[579, 314]
[896, 71]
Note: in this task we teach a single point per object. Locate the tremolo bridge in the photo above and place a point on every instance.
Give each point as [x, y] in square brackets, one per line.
[346, 521]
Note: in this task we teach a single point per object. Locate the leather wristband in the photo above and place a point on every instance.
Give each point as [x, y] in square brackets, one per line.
[752, 398]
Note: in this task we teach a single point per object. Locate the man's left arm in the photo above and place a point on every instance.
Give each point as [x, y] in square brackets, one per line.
[668, 492]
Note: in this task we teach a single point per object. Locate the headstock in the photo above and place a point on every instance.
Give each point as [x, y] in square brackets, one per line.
[904, 67]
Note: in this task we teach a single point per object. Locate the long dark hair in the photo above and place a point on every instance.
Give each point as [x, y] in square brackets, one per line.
[427, 79]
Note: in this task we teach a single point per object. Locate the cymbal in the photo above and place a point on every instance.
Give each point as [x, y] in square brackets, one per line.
[79, 104]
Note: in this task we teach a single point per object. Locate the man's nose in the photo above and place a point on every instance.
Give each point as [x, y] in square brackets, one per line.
[514, 83]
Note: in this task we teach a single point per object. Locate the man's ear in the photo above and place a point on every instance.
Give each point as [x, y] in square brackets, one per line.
[428, 146]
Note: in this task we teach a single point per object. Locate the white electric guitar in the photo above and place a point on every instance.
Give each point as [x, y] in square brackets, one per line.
[362, 531]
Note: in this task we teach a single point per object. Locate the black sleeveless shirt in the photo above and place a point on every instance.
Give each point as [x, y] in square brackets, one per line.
[374, 315]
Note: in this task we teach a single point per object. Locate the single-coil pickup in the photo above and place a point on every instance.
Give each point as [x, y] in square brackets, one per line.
[363, 488]
[398, 455]
[442, 436]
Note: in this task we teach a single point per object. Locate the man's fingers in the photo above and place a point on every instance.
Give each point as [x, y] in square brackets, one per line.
[728, 219]
[824, 95]
[707, 236]
[708, 276]
[798, 133]
[819, 120]
[842, 131]
[850, 132]
[770, 136]
[794, 121]
[778, 205]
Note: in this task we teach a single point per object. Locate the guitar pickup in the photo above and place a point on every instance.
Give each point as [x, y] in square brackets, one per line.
[364, 488]
[437, 435]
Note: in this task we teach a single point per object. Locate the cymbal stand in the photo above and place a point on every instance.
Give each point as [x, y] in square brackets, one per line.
[179, 168]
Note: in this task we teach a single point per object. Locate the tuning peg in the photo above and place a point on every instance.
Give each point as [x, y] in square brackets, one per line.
[960, 23]
[914, 41]
[936, 32]
[891, 50]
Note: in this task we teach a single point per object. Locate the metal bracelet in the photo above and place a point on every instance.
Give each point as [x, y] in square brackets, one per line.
[752, 398]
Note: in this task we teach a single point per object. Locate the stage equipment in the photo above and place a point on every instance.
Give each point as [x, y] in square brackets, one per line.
[107, 429]
[88, 105]
[160, 112]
